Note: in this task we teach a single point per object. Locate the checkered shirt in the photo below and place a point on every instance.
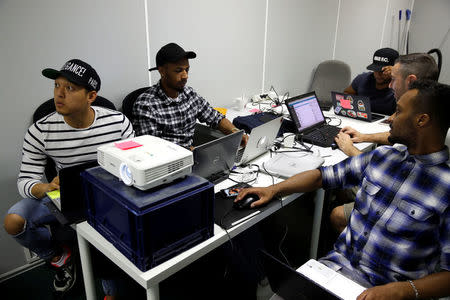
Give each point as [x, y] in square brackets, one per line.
[157, 114]
[400, 226]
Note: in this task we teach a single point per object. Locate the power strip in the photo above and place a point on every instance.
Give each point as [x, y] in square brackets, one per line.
[271, 95]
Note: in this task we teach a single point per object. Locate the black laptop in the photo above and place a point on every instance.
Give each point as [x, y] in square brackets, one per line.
[309, 120]
[290, 284]
[71, 200]
[354, 106]
[215, 159]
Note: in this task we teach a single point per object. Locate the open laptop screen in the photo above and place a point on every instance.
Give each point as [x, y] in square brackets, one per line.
[305, 111]
[214, 160]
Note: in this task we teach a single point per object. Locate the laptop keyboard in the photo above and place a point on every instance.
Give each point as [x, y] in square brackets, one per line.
[323, 136]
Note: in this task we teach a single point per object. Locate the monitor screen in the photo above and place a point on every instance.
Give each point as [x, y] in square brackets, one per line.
[305, 111]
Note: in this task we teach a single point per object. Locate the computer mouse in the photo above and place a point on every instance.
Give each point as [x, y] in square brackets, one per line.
[245, 202]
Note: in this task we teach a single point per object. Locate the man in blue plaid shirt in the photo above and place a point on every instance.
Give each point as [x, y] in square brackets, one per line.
[397, 242]
[170, 109]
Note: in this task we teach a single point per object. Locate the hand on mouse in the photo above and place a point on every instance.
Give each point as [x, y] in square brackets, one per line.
[264, 194]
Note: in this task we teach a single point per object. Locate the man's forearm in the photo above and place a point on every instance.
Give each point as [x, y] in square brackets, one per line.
[435, 285]
[226, 126]
[39, 189]
[378, 138]
[301, 183]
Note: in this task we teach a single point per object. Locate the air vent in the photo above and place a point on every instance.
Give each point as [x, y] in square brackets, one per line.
[162, 171]
[175, 166]
[101, 158]
[155, 173]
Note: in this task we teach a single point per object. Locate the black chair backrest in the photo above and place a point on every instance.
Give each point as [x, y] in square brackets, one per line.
[439, 60]
[128, 102]
[48, 107]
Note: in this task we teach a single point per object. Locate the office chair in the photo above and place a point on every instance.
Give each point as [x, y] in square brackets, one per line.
[330, 75]
[128, 102]
[48, 107]
[439, 58]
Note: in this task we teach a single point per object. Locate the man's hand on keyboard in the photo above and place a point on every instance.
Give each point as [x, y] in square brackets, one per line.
[344, 142]
[356, 136]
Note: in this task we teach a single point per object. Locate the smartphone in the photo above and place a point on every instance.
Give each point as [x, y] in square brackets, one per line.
[231, 192]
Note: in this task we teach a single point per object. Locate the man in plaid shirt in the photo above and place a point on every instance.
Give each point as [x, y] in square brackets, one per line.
[397, 242]
[170, 109]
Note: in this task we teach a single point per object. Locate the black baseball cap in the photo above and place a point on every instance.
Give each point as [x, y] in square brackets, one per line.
[171, 53]
[383, 57]
[78, 72]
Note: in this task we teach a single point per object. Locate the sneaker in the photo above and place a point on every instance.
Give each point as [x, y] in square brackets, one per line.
[65, 257]
[65, 277]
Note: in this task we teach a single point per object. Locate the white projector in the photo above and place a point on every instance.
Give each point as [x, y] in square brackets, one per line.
[145, 161]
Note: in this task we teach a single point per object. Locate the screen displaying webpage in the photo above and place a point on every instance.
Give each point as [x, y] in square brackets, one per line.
[307, 112]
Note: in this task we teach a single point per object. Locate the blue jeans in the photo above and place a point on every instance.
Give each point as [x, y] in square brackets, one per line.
[109, 287]
[36, 236]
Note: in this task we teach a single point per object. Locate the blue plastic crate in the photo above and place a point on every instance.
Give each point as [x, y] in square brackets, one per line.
[149, 227]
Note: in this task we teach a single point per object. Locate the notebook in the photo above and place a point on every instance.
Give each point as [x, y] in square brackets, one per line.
[354, 106]
[309, 120]
[260, 140]
[288, 164]
[313, 280]
[70, 206]
[214, 160]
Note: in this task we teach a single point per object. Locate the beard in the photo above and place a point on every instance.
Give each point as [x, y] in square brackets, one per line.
[406, 138]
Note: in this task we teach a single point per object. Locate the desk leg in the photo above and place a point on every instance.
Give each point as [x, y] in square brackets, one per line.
[85, 256]
[317, 221]
[153, 293]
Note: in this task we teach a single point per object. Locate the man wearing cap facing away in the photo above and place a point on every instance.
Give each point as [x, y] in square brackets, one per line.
[170, 109]
[69, 136]
[375, 85]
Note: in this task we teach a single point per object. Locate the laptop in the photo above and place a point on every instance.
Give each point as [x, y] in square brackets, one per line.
[260, 140]
[214, 160]
[313, 280]
[354, 106]
[288, 164]
[70, 206]
[309, 120]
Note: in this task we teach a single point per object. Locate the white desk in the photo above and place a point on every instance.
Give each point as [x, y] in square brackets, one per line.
[150, 279]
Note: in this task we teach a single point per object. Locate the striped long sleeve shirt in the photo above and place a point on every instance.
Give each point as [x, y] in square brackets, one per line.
[52, 137]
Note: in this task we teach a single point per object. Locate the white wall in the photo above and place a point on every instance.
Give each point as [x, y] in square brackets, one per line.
[228, 37]
[300, 35]
[365, 26]
[430, 25]
[109, 34]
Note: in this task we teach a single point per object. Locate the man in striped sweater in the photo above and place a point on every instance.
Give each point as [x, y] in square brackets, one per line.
[69, 136]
